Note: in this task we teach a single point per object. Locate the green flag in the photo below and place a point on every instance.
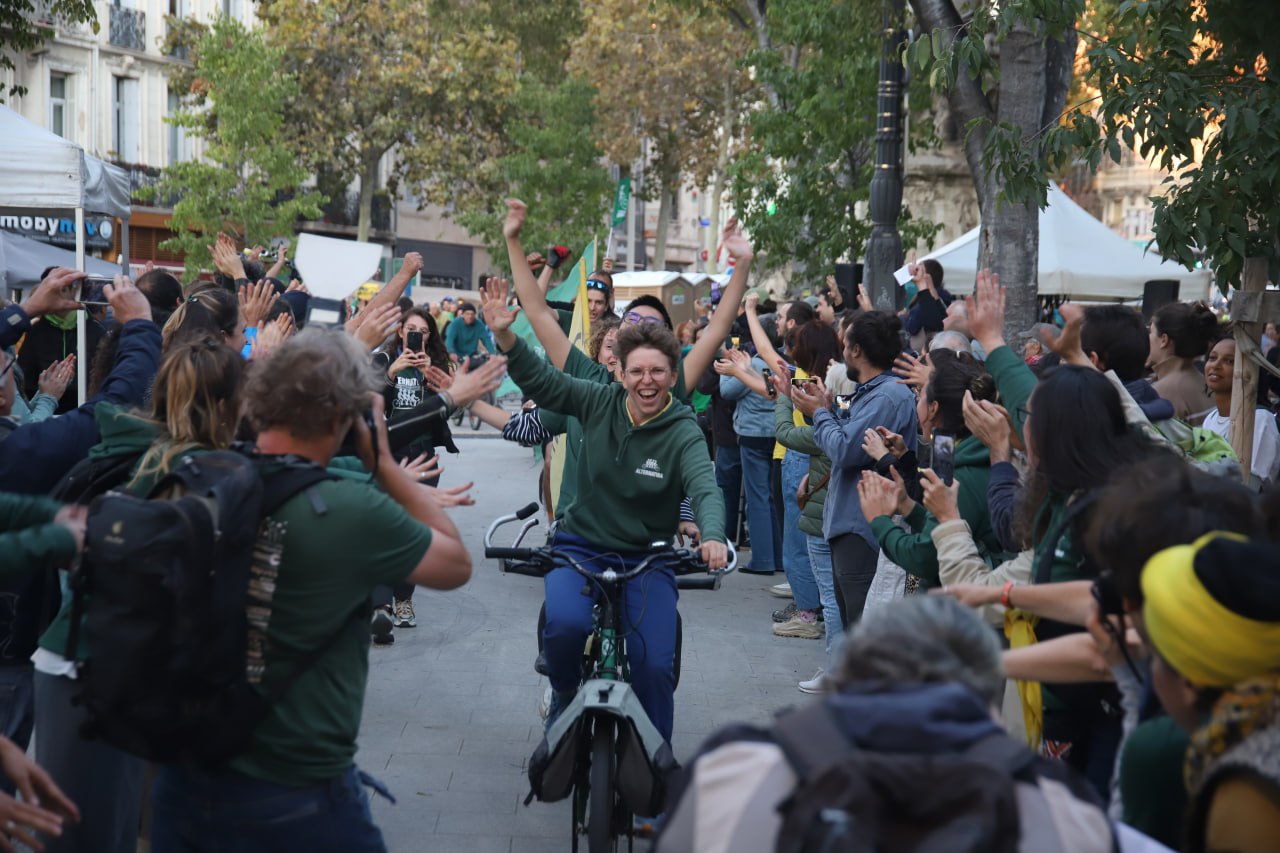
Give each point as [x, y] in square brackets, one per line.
[566, 291]
[620, 202]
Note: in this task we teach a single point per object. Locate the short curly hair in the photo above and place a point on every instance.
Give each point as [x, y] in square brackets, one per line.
[311, 385]
[651, 335]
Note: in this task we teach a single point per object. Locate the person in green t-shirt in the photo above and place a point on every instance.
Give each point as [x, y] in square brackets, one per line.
[297, 786]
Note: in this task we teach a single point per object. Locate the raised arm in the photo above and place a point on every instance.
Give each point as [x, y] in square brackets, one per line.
[764, 346]
[394, 289]
[542, 317]
[704, 351]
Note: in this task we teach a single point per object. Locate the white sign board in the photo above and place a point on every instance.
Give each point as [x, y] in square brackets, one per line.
[333, 268]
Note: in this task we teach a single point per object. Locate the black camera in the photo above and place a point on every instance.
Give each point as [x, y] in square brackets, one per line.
[349, 446]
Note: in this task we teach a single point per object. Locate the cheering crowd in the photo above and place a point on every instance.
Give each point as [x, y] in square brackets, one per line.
[1045, 564]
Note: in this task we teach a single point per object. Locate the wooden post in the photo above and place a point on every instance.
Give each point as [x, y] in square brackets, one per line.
[1244, 384]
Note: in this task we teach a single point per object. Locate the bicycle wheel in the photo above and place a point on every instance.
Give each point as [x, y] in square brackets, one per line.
[600, 836]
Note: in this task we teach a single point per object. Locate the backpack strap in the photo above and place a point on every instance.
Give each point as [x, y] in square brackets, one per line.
[1045, 567]
[277, 489]
[810, 738]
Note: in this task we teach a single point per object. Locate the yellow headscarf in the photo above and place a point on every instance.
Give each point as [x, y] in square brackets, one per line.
[1208, 643]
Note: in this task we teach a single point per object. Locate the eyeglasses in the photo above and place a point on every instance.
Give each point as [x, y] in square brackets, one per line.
[592, 284]
[658, 374]
[632, 318]
[12, 361]
[1023, 413]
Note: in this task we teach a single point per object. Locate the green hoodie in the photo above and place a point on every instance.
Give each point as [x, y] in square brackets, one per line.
[915, 551]
[636, 475]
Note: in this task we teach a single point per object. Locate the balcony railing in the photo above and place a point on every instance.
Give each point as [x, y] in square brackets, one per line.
[146, 176]
[128, 28]
[42, 13]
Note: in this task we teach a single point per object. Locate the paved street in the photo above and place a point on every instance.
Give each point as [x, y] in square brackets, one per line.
[451, 714]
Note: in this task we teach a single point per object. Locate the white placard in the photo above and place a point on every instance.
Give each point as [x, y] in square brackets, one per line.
[333, 268]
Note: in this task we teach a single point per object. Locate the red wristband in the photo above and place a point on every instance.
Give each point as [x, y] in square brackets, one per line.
[1004, 593]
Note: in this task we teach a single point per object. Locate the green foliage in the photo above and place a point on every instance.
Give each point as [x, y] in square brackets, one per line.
[552, 164]
[1192, 89]
[248, 180]
[811, 152]
[21, 31]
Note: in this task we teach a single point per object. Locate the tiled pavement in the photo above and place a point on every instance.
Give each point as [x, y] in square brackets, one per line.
[451, 713]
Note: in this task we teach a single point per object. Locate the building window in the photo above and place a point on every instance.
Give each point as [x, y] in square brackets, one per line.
[175, 132]
[124, 119]
[59, 121]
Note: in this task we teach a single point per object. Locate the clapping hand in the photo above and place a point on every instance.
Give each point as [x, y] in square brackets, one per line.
[256, 301]
[811, 397]
[877, 495]
[372, 325]
[939, 498]
[423, 467]
[57, 376]
[915, 372]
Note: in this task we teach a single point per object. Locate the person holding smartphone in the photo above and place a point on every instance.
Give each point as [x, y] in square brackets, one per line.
[419, 347]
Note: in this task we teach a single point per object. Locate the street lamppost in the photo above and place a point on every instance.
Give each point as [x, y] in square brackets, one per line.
[884, 247]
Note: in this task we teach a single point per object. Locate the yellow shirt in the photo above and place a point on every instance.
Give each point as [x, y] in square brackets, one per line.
[797, 418]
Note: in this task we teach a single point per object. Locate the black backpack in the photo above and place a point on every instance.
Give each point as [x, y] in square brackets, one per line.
[850, 800]
[164, 584]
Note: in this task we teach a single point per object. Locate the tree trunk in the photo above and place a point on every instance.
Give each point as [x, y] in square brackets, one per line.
[664, 221]
[1040, 72]
[1244, 382]
[712, 241]
[368, 183]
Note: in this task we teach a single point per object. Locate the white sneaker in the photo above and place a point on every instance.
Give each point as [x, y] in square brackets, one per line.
[817, 684]
[781, 590]
[544, 703]
[403, 610]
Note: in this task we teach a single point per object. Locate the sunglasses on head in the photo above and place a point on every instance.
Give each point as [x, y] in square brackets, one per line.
[633, 318]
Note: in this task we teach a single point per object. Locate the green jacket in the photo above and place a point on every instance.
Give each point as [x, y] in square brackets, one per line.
[800, 439]
[1015, 382]
[915, 551]
[122, 433]
[636, 475]
[29, 540]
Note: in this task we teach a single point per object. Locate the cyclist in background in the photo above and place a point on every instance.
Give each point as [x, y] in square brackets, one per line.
[467, 335]
[642, 453]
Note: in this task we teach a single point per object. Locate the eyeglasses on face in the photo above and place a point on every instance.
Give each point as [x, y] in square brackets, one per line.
[592, 284]
[658, 374]
[633, 318]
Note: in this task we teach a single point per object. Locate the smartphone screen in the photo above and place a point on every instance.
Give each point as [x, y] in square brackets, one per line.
[91, 291]
[944, 456]
[414, 341]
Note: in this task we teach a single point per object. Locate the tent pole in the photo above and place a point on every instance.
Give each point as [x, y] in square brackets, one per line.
[125, 269]
[82, 363]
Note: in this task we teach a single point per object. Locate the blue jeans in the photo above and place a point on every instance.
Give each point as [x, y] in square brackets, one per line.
[648, 621]
[795, 552]
[729, 479]
[199, 811]
[757, 454]
[820, 561]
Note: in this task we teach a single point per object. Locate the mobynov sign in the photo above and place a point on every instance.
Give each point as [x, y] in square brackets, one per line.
[60, 230]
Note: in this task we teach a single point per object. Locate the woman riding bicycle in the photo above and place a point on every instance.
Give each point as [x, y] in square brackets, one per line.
[641, 455]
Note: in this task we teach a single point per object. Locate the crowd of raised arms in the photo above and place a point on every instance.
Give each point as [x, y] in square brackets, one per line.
[1047, 594]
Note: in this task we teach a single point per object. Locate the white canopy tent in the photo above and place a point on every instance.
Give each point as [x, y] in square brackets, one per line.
[41, 170]
[1080, 258]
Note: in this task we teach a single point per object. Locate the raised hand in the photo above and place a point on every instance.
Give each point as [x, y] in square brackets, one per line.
[939, 498]
[991, 424]
[877, 496]
[985, 309]
[54, 293]
[517, 211]
[372, 325]
[1067, 343]
[752, 302]
[735, 243]
[471, 385]
[127, 302]
[811, 397]
[412, 264]
[256, 301]
[915, 372]
[57, 376]
[225, 257]
[499, 314]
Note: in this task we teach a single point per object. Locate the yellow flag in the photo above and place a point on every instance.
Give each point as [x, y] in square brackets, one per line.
[579, 332]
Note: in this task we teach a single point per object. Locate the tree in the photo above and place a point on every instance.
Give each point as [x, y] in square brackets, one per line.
[1006, 70]
[552, 163]
[400, 78]
[22, 31]
[671, 80]
[1192, 86]
[812, 143]
[248, 180]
